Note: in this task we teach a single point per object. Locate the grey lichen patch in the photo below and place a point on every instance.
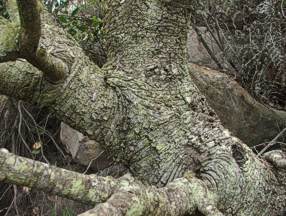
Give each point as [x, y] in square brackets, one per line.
[136, 210]
[77, 185]
[12, 9]
[189, 175]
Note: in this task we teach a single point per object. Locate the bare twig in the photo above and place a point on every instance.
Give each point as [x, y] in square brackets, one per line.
[272, 143]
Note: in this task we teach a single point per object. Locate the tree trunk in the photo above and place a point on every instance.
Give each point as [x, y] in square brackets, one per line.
[144, 108]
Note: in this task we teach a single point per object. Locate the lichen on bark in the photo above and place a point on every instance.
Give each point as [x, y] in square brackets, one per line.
[9, 32]
[145, 109]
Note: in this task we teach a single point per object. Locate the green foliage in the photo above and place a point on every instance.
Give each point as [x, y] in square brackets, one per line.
[82, 19]
[81, 28]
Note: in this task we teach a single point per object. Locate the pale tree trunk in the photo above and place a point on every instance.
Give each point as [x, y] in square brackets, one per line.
[144, 108]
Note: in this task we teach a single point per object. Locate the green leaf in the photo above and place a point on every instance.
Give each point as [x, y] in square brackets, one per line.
[73, 10]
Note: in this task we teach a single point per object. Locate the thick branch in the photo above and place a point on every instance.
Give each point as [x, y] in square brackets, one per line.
[24, 42]
[54, 69]
[181, 197]
[239, 112]
[30, 21]
[220, 178]
[129, 196]
[33, 174]
[19, 80]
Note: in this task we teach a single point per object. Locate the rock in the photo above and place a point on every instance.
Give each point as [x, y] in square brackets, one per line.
[83, 150]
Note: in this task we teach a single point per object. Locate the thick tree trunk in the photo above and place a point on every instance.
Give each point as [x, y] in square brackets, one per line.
[144, 108]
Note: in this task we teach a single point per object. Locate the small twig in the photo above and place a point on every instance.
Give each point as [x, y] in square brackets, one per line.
[273, 142]
[201, 39]
[15, 200]
[4, 193]
[90, 162]
[20, 127]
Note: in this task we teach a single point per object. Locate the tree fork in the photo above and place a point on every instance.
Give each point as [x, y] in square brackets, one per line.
[25, 40]
[144, 108]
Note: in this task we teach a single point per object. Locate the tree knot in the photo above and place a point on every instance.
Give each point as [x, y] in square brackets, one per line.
[238, 154]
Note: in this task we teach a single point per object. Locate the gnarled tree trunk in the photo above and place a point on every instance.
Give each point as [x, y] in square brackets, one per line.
[145, 109]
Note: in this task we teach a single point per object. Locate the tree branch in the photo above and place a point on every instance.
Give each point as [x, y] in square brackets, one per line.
[69, 184]
[182, 196]
[30, 19]
[19, 80]
[239, 112]
[220, 178]
[24, 42]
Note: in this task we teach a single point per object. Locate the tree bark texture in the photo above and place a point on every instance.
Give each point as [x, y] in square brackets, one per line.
[144, 108]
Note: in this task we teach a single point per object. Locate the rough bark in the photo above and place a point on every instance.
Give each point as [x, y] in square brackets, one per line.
[93, 189]
[24, 34]
[144, 108]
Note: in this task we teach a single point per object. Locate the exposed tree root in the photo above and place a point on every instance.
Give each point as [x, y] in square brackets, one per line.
[238, 111]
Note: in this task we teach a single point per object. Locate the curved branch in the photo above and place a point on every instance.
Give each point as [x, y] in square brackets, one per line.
[239, 112]
[30, 19]
[24, 42]
[54, 69]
